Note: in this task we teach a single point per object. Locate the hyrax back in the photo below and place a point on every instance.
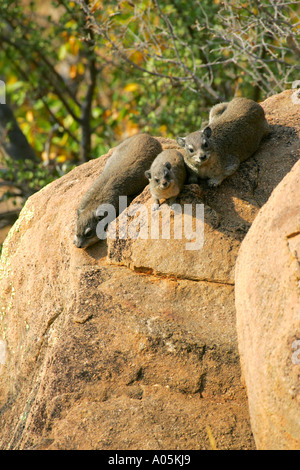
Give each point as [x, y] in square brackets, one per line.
[166, 176]
[123, 175]
[234, 133]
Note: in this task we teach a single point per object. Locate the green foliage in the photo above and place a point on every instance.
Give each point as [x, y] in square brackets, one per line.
[158, 67]
[29, 177]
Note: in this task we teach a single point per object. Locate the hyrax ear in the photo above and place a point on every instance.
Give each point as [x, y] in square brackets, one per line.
[181, 141]
[207, 132]
[148, 174]
[98, 214]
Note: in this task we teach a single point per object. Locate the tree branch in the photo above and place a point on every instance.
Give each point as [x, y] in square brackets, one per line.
[46, 76]
[13, 142]
[101, 30]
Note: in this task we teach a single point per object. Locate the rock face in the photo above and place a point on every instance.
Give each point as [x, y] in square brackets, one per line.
[268, 317]
[131, 344]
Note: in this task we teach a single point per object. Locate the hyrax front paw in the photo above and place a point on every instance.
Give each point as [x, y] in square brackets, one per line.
[214, 182]
[155, 207]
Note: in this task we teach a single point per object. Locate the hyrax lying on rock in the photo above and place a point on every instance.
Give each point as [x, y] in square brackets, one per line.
[234, 133]
[166, 176]
[123, 175]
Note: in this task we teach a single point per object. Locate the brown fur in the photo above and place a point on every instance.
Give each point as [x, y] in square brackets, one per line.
[123, 175]
[166, 176]
[234, 133]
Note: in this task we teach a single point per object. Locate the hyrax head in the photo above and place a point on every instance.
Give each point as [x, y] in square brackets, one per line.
[160, 178]
[86, 225]
[197, 145]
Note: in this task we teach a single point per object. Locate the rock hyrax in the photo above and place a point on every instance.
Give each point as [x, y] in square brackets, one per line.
[166, 176]
[234, 133]
[123, 175]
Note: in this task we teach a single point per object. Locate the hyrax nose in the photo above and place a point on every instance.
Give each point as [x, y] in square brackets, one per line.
[164, 183]
[77, 242]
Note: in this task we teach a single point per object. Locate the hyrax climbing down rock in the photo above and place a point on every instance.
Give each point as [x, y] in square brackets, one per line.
[234, 133]
[166, 176]
[123, 175]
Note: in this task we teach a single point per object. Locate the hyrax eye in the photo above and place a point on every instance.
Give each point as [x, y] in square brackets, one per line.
[205, 144]
[191, 150]
[88, 233]
[156, 180]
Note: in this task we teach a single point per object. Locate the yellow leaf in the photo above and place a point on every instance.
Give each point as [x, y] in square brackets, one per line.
[24, 126]
[137, 57]
[29, 116]
[69, 24]
[61, 158]
[80, 69]
[44, 156]
[73, 71]
[97, 5]
[68, 121]
[131, 87]
[74, 45]
[11, 80]
[110, 11]
[163, 130]
[107, 113]
[64, 140]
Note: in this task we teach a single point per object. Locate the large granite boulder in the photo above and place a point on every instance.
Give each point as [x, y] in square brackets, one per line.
[130, 344]
[268, 317]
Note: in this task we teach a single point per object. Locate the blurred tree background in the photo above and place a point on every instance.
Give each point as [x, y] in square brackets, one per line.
[81, 75]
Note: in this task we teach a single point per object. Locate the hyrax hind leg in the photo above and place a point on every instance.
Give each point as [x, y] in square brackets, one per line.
[215, 181]
[217, 111]
[231, 165]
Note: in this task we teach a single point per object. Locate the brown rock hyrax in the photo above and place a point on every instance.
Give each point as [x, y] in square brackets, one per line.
[166, 176]
[234, 133]
[123, 175]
